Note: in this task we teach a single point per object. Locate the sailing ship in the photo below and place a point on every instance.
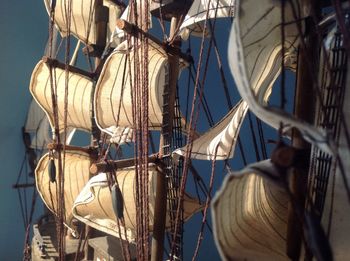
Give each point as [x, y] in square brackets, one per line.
[120, 198]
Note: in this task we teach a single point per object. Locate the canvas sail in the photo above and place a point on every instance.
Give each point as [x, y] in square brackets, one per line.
[94, 207]
[76, 174]
[220, 141]
[250, 219]
[83, 18]
[37, 124]
[255, 59]
[79, 96]
[113, 94]
[195, 17]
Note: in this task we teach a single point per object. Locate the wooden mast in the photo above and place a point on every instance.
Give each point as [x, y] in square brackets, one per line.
[166, 137]
[304, 109]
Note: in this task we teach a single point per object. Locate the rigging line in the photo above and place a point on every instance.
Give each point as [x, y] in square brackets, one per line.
[194, 114]
[226, 90]
[222, 74]
[315, 80]
[331, 207]
[21, 168]
[188, 83]
[22, 209]
[25, 196]
[253, 137]
[342, 25]
[347, 136]
[262, 138]
[197, 184]
[208, 200]
[204, 103]
[78, 253]
[34, 196]
[283, 51]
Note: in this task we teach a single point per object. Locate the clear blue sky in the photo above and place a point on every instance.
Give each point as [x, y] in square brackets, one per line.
[23, 28]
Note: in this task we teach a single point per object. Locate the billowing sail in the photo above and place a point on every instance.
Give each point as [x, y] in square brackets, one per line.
[250, 219]
[94, 206]
[84, 17]
[255, 58]
[113, 94]
[193, 22]
[79, 96]
[220, 141]
[76, 175]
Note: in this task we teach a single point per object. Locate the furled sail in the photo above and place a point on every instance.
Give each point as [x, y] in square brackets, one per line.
[250, 219]
[83, 18]
[94, 207]
[113, 94]
[76, 173]
[195, 17]
[255, 55]
[79, 96]
[222, 137]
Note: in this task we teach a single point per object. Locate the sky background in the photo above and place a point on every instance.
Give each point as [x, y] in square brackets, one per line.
[23, 28]
[24, 31]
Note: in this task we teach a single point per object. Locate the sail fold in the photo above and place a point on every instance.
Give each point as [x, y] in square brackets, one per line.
[195, 17]
[79, 96]
[76, 175]
[255, 57]
[220, 141]
[250, 219]
[83, 18]
[94, 206]
[114, 89]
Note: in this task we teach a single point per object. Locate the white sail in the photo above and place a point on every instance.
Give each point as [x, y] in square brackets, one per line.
[195, 17]
[83, 18]
[34, 117]
[113, 94]
[79, 96]
[42, 136]
[250, 219]
[94, 206]
[120, 135]
[221, 138]
[255, 58]
[76, 173]
[128, 15]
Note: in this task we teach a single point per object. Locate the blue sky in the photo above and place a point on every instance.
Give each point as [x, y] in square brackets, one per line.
[23, 28]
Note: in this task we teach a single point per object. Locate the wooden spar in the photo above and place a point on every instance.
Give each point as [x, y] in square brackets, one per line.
[57, 64]
[166, 137]
[304, 109]
[25, 185]
[101, 20]
[117, 164]
[134, 31]
[54, 146]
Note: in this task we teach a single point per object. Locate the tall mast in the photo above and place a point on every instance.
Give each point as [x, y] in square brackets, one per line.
[165, 150]
[304, 110]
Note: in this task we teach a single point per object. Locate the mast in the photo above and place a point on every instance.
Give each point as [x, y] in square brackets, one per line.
[165, 150]
[304, 109]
